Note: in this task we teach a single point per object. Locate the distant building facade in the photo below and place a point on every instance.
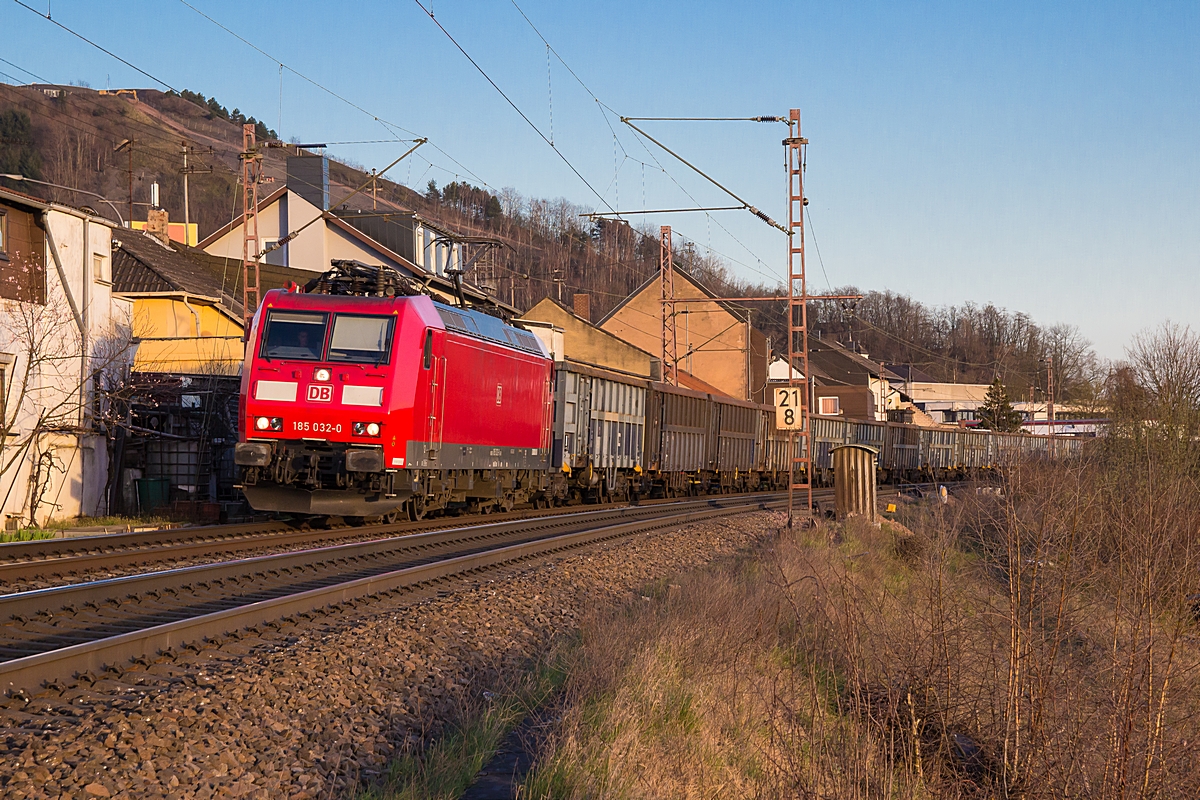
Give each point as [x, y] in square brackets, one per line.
[717, 344]
[585, 343]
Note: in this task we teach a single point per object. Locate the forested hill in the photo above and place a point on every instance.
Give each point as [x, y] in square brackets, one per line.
[68, 135]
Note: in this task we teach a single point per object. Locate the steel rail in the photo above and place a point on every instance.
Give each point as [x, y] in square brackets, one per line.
[64, 664]
[42, 601]
[35, 550]
[46, 558]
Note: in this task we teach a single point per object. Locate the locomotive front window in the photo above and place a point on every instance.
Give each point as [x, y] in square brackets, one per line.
[294, 335]
[362, 340]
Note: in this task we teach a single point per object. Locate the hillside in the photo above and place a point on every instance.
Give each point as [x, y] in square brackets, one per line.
[551, 251]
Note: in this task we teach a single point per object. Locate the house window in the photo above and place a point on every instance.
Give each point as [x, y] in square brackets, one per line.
[829, 406]
[99, 271]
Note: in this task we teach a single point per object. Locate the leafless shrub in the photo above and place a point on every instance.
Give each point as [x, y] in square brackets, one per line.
[1041, 643]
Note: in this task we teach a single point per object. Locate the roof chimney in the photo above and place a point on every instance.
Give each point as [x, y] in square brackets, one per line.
[308, 176]
[157, 225]
[583, 307]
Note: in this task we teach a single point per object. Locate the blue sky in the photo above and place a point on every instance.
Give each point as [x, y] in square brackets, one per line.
[1040, 156]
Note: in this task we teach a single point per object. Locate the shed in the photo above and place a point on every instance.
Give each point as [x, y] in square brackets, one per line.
[854, 480]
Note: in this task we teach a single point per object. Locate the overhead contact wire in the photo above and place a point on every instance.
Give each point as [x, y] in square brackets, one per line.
[102, 49]
[515, 107]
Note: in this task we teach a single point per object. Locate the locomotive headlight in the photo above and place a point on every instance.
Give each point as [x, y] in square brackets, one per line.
[262, 423]
[269, 423]
[321, 375]
[366, 428]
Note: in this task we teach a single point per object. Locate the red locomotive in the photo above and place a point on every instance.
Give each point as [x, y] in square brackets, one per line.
[362, 397]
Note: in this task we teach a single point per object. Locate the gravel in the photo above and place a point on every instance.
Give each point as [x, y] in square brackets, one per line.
[318, 708]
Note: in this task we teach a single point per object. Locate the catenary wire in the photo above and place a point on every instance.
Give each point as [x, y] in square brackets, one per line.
[391, 127]
[817, 247]
[605, 110]
[515, 107]
[97, 46]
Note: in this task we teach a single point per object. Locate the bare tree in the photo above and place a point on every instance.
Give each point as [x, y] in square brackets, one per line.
[1165, 363]
[73, 163]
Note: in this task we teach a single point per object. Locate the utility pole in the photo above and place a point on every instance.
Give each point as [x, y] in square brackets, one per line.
[374, 192]
[189, 170]
[127, 145]
[187, 217]
[1050, 401]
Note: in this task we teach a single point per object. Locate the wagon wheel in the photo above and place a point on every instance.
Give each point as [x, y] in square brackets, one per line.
[390, 517]
[356, 522]
[416, 509]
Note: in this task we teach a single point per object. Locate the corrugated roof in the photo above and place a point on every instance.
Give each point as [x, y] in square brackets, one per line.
[20, 198]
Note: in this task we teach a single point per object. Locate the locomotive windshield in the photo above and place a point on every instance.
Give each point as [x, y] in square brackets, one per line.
[363, 340]
[294, 334]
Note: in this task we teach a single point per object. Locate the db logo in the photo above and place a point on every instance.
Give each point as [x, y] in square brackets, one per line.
[321, 393]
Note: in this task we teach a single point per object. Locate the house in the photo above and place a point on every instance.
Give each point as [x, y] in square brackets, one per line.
[850, 383]
[570, 337]
[716, 342]
[403, 240]
[64, 345]
[948, 403]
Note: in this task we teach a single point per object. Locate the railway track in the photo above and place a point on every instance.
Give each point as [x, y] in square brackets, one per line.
[31, 565]
[50, 636]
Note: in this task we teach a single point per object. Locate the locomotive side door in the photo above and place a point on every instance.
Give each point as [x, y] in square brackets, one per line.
[435, 362]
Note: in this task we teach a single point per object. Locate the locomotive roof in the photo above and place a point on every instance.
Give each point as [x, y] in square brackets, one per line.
[460, 320]
[485, 326]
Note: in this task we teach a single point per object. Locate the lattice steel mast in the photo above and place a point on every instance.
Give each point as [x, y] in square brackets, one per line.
[251, 160]
[798, 310]
[666, 280]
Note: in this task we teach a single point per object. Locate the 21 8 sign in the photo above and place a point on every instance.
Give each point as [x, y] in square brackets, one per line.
[789, 415]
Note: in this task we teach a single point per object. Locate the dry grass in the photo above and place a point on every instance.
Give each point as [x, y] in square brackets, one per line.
[1039, 644]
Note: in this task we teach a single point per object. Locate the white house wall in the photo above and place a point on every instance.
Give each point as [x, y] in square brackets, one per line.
[313, 248]
[275, 221]
[78, 480]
